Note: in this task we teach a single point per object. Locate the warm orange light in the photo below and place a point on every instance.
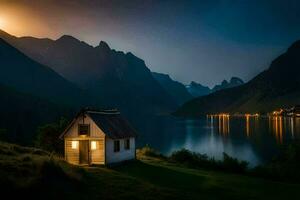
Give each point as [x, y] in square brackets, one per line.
[93, 145]
[74, 144]
[2, 23]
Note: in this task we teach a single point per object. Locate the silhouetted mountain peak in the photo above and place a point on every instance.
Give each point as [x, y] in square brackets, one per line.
[295, 46]
[118, 75]
[276, 87]
[161, 75]
[4, 35]
[236, 80]
[3, 32]
[7, 48]
[67, 38]
[176, 89]
[2, 42]
[129, 54]
[135, 59]
[195, 84]
[68, 41]
[103, 45]
[224, 82]
[197, 89]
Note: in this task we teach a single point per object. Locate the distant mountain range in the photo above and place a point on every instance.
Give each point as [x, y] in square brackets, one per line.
[198, 90]
[27, 76]
[176, 89]
[114, 78]
[42, 80]
[31, 95]
[234, 82]
[276, 87]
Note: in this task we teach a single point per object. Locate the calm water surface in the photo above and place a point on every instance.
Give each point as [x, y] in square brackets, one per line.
[255, 139]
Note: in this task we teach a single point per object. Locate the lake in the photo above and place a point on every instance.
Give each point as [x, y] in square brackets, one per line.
[251, 138]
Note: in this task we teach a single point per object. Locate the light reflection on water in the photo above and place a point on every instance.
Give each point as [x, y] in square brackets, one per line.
[252, 138]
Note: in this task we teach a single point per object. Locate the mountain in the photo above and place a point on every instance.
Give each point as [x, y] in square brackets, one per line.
[119, 79]
[176, 89]
[21, 114]
[26, 75]
[234, 81]
[197, 90]
[276, 87]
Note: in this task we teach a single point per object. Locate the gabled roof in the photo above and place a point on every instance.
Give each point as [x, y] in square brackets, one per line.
[109, 121]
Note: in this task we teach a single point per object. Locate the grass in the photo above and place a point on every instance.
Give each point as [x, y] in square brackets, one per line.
[32, 172]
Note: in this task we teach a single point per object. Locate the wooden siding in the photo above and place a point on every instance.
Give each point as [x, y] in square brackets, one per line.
[71, 155]
[97, 155]
[95, 131]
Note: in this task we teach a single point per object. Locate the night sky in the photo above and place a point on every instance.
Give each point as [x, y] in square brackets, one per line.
[203, 41]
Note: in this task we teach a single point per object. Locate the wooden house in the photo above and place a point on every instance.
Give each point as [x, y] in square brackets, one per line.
[99, 137]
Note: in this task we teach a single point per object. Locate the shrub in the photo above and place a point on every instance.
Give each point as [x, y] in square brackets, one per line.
[233, 164]
[189, 158]
[197, 160]
[48, 136]
[284, 167]
[148, 151]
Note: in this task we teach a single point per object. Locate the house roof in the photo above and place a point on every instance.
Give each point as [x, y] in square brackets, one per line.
[109, 121]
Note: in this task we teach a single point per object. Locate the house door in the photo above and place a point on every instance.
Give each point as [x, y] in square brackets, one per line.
[84, 152]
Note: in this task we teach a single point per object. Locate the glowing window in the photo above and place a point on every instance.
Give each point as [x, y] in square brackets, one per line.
[93, 145]
[74, 144]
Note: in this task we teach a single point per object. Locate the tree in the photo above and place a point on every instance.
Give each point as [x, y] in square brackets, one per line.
[48, 136]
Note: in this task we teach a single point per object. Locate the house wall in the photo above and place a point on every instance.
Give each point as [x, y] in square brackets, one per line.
[123, 154]
[95, 131]
[96, 134]
[97, 156]
[71, 155]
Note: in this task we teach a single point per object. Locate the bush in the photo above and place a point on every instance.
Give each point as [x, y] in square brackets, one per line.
[284, 167]
[48, 136]
[148, 151]
[233, 164]
[197, 160]
[189, 158]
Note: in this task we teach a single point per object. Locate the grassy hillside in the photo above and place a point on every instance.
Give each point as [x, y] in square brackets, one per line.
[33, 172]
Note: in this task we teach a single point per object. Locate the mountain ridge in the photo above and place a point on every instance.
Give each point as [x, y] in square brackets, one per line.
[233, 82]
[119, 79]
[198, 90]
[176, 89]
[276, 87]
[26, 75]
